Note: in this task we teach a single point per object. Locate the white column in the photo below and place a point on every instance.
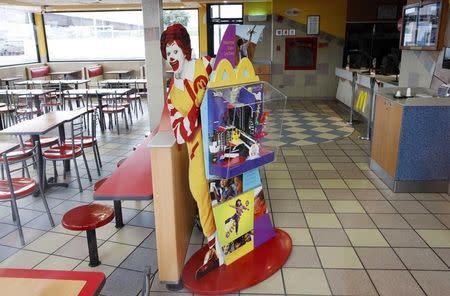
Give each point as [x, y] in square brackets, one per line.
[154, 67]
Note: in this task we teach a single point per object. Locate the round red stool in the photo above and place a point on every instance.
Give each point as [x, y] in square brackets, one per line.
[99, 183]
[88, 218]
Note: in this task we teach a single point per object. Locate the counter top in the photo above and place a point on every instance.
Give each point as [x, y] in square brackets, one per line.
[424, 97]
[347, 74]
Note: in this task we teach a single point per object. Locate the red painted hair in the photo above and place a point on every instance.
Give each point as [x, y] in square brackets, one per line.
[180, 35]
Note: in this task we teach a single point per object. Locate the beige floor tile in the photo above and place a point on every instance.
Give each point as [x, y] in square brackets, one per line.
[368, 194]
[23, 259]
[303, 257]
[423, 221]
[60, 229]
[282, 193]
[106, 269]
[420, 259]
[363, 166]
[131, 235]
[285, 205]
[135, 204]
[366, 238]
[333, 184]
[289, 220]
[436, 238]
[276, 167]
[356, 221]
[13, 238]
[278, 175]
[305, 281]
[59, 263]
[299, 236]
[434, 283]
[338, 257]
[113, 254]
[316, 220]
[103, 232]
[327, 175]
[320, 166]
[302, 175]
[339, 194]
[379, 258]
[316, 206]
[347, 206]
[49, 242]
[403, 238]
[330, 237]
[306, 183]
[311, 194]
[359, 184]
[350, 282]
[280, 183]
[272, 285]
[395, 283]
[390, 221]
[293, 152]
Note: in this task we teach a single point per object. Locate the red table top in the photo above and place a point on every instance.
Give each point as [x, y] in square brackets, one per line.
[132, 180]
[94, 280]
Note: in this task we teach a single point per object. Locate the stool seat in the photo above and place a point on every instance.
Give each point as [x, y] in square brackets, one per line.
[87, 217]
[119, 163]
[99, 183]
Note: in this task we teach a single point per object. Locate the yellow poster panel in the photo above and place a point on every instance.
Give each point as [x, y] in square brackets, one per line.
[234, 218]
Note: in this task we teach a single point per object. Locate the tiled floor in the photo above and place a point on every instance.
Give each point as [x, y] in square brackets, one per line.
[351, 234]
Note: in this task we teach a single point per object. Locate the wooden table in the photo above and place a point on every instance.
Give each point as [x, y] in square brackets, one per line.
[131, 181]
[35, 93]
[8, 80]
[99, 92]
[64, 82]
[41, 125]
[6, 147]
[119, 73]
[123, 81]
[65, 74]
[50, 282]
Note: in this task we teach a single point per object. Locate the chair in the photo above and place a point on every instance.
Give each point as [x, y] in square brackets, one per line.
[7, 111]
[89, 140]
[115, 105]
[14, 188]
[63, 152]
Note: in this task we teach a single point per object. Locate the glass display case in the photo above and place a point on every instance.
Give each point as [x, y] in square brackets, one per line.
[243, 127]
[424, 25]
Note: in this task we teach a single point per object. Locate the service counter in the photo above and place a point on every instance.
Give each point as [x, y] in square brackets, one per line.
[410, 148]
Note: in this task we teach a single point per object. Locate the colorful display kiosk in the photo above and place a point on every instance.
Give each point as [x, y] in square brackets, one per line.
[234, 142]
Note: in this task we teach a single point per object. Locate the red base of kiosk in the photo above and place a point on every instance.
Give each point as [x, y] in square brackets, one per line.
[249, 270]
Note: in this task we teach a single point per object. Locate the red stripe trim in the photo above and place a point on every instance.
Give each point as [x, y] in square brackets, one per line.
[193, 150]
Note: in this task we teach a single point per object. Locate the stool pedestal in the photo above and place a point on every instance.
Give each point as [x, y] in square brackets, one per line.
[92, 246]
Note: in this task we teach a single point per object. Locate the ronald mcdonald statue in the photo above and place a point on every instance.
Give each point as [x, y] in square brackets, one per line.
[184, 98]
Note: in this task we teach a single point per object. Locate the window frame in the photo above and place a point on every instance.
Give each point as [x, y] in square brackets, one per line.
[198, 23]
[90, 60]
[38, 55]
[226, 21]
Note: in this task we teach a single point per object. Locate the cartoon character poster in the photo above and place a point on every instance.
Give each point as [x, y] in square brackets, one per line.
[234, 221]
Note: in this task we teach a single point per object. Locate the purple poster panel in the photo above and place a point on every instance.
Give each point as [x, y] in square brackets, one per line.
[227, 48]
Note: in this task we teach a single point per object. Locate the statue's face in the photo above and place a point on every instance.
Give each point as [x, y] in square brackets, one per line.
[175, 57]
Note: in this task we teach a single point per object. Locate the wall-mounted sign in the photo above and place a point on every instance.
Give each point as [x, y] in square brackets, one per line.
[292, 32]
[279, 32]
[313, 25]
[285, 32]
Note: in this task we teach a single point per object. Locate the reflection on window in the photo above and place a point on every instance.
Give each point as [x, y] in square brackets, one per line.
[112, 35]
[189, 19]
[220, 16]
[17, 38]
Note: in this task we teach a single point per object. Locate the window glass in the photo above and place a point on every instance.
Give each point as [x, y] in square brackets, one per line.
[109, 35]
[189, 19]
[17, 38]
[231, 11]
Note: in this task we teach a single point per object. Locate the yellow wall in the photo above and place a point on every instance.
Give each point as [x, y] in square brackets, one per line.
[202, 30]
[258, 8]
[38, 19]
[333, 13]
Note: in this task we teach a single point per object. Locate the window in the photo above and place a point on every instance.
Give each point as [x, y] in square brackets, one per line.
[81, 36]
[219, 17]
[189, 19]
[17, 37]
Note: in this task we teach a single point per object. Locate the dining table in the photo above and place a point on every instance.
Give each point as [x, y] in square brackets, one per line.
[6, 147]
[9, 80]
[36, 94]
[99, 93]
[119, 73]
[35, 282]
[41, 125]
[53, 82]
[64, 74]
